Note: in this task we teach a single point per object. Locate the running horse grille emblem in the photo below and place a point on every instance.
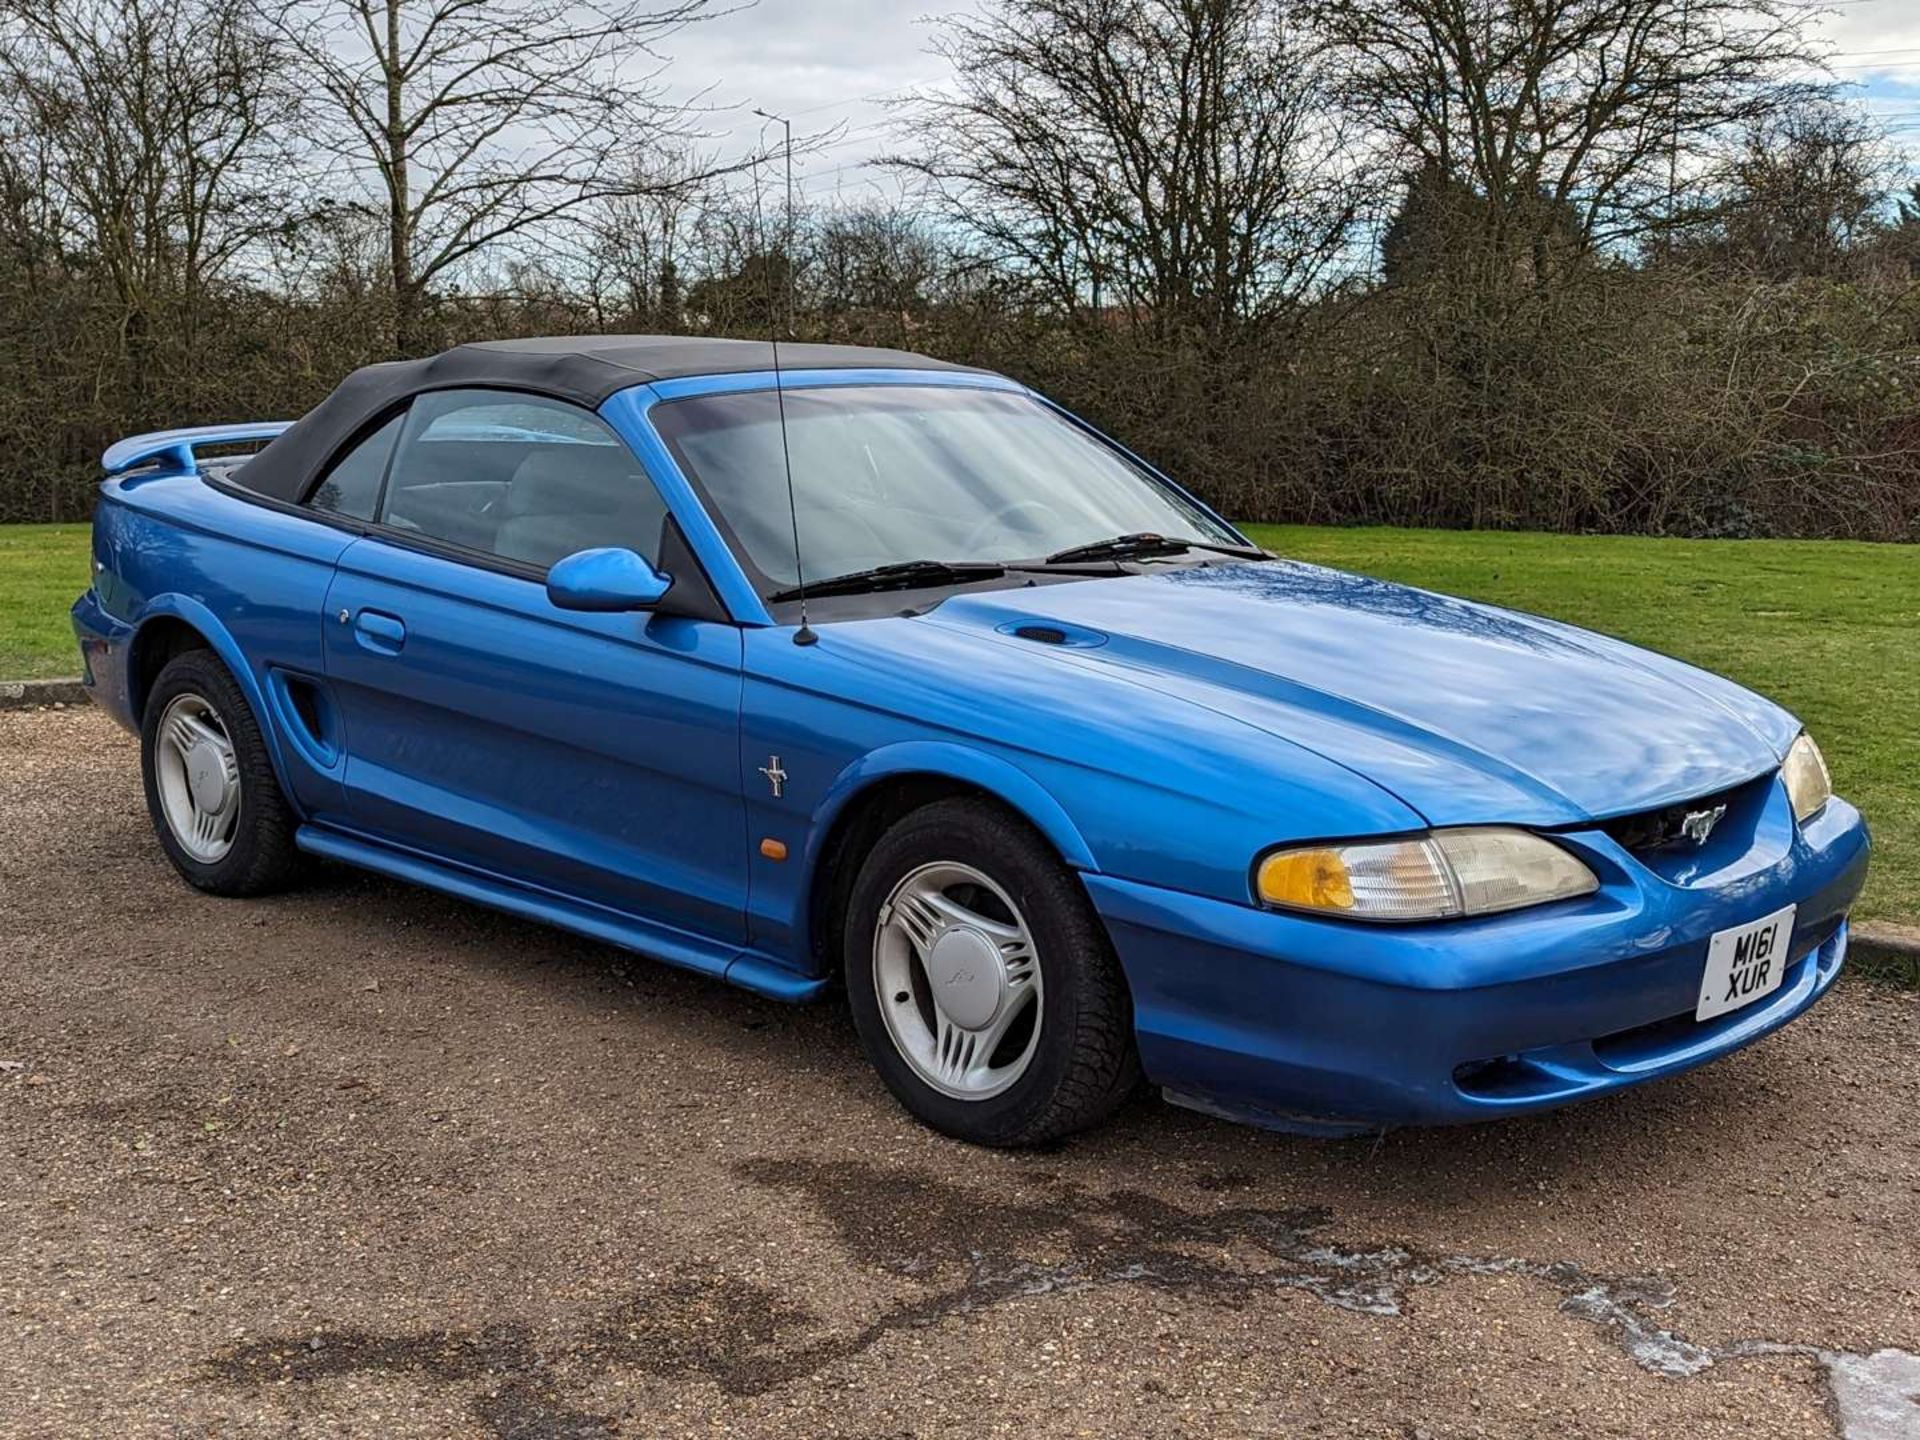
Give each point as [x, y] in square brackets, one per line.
[1698, 825]
[776, 777]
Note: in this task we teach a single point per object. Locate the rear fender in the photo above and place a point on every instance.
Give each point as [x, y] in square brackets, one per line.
[221, 642]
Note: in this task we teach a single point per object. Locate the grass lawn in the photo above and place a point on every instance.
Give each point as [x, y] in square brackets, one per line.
[43, 568]
[1830, 630]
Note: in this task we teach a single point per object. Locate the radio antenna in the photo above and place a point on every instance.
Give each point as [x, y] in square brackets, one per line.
[804, 635]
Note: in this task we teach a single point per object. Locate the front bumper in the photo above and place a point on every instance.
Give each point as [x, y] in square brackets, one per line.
[1335, 1027]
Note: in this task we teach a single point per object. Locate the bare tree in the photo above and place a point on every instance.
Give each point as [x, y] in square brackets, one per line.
[1602, 110]
[637, 239]
[475, 123]
[1898, 239]
[1807, 185]
[142, 140]
[1171, 158]
[875, 258]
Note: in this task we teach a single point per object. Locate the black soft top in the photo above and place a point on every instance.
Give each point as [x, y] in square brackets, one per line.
[585, 369]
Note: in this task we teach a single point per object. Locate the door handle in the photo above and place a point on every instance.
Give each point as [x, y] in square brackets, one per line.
[379, 632]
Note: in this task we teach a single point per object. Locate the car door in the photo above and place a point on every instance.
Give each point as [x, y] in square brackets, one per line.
[593, 755]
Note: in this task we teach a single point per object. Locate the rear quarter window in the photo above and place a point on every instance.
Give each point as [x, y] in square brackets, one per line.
[352, 486]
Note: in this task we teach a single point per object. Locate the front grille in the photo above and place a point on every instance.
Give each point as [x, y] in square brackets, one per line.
[1652, 831]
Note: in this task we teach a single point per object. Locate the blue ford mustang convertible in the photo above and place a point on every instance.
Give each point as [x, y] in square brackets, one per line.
[849, 666]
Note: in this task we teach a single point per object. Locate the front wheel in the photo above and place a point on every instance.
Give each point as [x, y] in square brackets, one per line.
[984, 988]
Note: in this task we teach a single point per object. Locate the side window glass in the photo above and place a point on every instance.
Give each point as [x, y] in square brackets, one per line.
[519, 476]
[352, 486]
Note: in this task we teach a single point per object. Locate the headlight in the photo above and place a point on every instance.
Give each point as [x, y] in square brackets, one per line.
[1809, 785]
[1436, 876]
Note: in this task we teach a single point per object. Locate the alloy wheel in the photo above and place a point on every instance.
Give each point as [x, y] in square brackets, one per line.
[198, 778]
[958, 980]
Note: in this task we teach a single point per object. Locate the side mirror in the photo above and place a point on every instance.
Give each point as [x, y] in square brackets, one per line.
[606, 581]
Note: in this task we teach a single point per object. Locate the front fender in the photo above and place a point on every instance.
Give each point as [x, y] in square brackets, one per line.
[784, 916]
[963, 763]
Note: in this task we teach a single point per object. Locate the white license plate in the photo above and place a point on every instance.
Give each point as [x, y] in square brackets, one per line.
[1744, 964]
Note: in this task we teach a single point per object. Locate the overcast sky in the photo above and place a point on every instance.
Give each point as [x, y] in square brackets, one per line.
[828, 63]
[825, 64]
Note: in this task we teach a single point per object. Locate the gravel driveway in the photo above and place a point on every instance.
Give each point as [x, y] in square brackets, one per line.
[362, 1161]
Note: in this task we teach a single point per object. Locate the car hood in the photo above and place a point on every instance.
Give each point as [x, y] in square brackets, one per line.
[1467, 713]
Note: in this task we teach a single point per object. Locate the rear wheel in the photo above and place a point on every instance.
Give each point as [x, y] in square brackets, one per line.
[984, 988]
[214, 799]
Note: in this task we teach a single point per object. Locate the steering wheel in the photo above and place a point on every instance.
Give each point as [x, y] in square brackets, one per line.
[999, 518]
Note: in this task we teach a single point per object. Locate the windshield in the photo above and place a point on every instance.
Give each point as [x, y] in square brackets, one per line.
[886, 474]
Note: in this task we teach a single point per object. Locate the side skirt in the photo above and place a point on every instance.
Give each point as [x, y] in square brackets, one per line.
[747, 969]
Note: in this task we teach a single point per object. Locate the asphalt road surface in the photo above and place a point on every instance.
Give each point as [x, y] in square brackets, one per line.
[362, 1161]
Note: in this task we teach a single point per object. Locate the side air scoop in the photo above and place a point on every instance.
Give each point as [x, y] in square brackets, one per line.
[177, 446]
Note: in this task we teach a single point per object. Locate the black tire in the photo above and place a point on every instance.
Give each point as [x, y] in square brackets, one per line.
[262, 856]
[1085, 1063]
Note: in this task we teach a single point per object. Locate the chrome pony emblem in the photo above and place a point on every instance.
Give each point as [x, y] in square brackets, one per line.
[1698, 824]
[777, 778]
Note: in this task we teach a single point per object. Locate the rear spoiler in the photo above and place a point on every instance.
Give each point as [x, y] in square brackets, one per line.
[177, 445]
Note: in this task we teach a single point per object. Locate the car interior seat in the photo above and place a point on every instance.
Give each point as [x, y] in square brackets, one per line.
[566, 498]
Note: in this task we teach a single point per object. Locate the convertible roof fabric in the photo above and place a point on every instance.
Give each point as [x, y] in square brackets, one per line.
[585, 369]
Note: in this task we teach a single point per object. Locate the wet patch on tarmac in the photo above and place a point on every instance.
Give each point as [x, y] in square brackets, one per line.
[519, 1400]
[1877, 1396]
[956, 1250]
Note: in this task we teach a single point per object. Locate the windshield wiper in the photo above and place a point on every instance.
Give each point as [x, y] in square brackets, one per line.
[903, 575]
[1144, 546]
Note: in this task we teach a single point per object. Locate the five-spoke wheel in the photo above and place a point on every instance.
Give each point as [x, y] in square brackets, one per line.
[955, 966]
[199, 778]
